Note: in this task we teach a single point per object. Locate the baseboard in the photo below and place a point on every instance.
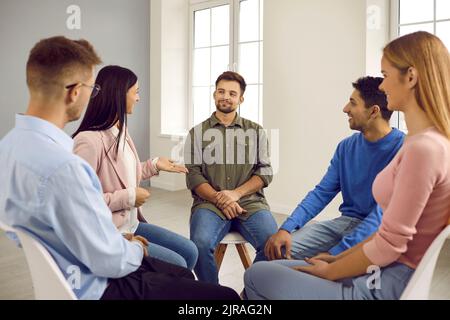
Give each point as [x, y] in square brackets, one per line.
[145, 184]
[166, 186]
[287, 210]
[280, 208]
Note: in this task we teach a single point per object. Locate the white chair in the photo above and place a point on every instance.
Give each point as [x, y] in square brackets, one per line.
[48, 281]
[418, 287]
[238, 240]
[6, 228]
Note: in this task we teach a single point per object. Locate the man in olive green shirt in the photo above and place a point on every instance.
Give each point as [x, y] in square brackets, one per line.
[228, 162]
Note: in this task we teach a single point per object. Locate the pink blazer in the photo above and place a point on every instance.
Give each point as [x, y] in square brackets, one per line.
[98, 149]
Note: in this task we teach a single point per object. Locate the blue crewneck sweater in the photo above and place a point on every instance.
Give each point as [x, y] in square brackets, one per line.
[352, 170]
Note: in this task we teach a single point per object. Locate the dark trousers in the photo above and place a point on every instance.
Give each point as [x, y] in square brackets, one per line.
[159, 280]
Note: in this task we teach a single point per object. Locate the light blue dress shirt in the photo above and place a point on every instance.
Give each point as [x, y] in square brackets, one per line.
[56, 196]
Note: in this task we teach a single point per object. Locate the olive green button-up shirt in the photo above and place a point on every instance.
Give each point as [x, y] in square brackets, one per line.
[226, 158]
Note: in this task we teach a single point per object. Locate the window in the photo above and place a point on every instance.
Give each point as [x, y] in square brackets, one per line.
[226, 35]
[425, 15]
[420, 15]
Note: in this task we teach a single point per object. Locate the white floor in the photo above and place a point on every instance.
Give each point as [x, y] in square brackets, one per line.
[171, 210]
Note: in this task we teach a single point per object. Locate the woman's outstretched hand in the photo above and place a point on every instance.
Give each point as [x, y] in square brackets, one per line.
[168, 165]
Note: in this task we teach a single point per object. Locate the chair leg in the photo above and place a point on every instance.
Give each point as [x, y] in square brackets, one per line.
[243, 253]
[219, 253]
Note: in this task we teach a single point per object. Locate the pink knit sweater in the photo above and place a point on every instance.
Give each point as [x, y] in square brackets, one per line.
[414, 193]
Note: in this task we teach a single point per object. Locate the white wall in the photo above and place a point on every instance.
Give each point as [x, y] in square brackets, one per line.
[378, 32]
[169, 62]
[313, 50]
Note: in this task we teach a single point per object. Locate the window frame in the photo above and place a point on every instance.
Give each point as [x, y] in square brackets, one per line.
[395, 19]
[394, 33]
[234, 43]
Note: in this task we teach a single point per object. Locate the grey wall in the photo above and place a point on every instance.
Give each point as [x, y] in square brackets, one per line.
[118, 29]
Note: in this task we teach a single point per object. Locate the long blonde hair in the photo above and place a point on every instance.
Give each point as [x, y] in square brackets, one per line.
[429, 56]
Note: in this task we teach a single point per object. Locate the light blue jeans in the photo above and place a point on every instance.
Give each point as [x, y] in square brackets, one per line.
[321, 236]
[275, 280]
[208, 229]
[168, 246]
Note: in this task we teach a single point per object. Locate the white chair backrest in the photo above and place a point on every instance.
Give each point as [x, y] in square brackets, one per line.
[5, 227]
[48, 281]
[418, 287]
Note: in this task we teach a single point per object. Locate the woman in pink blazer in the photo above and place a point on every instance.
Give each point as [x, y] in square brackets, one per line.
[104, 142]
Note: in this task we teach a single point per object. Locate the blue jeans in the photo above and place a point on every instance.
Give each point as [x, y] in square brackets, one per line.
[321, 236]
[208, 229]
[275, 280]
[168, 246]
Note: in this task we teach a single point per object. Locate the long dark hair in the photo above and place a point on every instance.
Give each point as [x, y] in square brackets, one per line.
[110, 105]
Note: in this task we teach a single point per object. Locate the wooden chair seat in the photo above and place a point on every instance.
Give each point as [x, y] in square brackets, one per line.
[238, 240]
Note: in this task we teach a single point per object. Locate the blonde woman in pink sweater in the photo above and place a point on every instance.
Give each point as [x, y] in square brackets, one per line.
[413, 191]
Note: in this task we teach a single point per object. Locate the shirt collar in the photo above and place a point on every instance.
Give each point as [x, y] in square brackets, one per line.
[115, 132]
[213, 121]
[44, 127]
[387, 138]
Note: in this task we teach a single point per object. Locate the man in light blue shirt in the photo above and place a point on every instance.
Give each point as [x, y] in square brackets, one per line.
[55, 196]
[357, 161]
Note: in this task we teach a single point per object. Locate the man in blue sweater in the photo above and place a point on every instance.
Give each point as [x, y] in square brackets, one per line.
[357, 161]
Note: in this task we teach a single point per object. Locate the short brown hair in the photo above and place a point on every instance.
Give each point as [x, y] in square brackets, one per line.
[232, 76]
[54, 59]
[369, 90]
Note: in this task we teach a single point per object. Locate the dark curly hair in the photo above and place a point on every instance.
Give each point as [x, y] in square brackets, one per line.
[368, 88]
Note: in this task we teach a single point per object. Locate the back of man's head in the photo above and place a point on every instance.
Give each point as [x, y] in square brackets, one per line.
[53, 62]
[368, 88]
